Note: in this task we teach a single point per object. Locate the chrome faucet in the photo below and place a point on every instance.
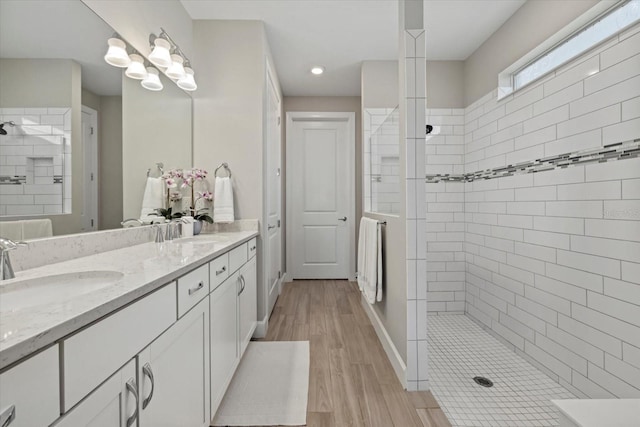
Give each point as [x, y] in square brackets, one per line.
[159, 237]
[6, 246]
[173, 230]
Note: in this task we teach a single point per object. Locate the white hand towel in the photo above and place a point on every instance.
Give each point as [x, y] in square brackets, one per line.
[153, 198]
[370, 260]
[223, 200]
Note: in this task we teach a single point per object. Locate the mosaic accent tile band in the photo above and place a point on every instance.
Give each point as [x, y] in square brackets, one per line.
[617, 151]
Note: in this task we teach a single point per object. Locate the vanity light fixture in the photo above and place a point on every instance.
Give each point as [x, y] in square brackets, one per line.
[117, 53]
[176, 69]
[136, 69]
[188, 82]
[317, 70]
[167, 54]
[161, 53]
[152, 81]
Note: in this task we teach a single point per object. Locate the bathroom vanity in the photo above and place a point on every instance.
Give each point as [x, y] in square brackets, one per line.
[147, 335]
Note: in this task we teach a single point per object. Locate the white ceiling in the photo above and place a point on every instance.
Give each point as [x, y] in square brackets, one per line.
[60, 29]
[340, 34]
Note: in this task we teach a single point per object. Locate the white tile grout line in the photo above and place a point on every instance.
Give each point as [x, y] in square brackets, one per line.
[461, 350]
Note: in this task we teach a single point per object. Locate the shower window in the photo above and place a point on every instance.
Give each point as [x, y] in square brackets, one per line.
[603, 26]
[382, 161]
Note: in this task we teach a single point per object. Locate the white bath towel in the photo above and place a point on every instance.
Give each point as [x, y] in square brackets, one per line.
[154, 195]
[223, 200]
[26, 229]
[36, 228]
[370, 260]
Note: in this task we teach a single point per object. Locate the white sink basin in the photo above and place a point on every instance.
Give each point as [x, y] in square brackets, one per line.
[55, 289]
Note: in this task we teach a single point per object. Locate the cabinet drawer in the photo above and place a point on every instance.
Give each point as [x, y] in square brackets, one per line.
[192, 287]
[252, 247]
[95, 353]
[219, 271]
[237, 258]
[31, 391]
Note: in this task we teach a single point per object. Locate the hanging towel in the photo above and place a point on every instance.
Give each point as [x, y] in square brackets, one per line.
[370, 260]
[223, 200]
[36, 228]
[153, 197]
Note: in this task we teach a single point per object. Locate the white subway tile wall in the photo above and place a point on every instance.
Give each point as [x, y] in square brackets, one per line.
[35, 161]
[445, 213]
[553, 258]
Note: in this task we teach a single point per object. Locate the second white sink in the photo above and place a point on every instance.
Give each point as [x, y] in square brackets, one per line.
[26, 293]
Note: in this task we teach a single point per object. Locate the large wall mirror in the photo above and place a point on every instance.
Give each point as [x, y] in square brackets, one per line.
[78, 137]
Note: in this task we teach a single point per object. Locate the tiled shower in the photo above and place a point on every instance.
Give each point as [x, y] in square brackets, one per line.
[546, 262]
[35, 161]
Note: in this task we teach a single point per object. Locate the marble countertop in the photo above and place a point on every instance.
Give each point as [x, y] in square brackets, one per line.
[145, 267]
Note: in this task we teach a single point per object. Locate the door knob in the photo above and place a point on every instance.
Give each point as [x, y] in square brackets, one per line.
[344, 218]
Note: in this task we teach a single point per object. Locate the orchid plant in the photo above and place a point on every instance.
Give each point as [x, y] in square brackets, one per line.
[187, 179]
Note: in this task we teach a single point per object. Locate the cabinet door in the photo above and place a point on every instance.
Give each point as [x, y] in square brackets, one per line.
[248, 303]
[174, 374]
[224, 337]
[30, 391]
[113, 404]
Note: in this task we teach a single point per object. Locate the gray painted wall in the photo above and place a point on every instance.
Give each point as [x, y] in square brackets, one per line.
[532, 24]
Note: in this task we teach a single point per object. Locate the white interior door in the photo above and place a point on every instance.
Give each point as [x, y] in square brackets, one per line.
[321, 199]
[90, 148]
[274, 191]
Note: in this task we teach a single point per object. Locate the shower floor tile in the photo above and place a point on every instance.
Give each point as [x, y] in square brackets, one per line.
[521, 394]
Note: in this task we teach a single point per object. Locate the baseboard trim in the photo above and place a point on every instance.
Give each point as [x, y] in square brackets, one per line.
[399, 367]
[261, 328]
[285, 278]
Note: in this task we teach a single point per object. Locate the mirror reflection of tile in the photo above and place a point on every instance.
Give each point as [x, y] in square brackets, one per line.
[35, 166]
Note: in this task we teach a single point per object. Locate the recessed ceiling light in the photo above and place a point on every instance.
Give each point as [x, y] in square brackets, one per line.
[317, 70]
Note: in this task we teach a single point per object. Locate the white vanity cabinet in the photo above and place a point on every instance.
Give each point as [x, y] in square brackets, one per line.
[247, 303]
[113, 404]
[31, 384]
[173, 374]
[224, 337]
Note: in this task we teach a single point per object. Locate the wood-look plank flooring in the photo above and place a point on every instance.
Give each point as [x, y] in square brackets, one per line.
[351, 381]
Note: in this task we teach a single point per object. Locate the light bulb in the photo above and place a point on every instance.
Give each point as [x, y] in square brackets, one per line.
[176, 69]
[136, 69]
[117, 53]
[160, 55]
[152, 81]
[188, 82]
[317, 70]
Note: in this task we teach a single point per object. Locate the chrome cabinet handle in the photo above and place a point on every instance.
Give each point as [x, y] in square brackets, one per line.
[133, 389]
[344, 218]
[222, 270]
[253, 248]
[243, 283]
[146, 370]
[271, 227]
[7, 416]
[197, 288]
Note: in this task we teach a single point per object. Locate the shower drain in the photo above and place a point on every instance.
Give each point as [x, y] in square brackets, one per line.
[484, 382]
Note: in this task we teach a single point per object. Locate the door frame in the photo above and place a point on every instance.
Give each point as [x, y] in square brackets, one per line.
[270, 80]
[301, 116]
[92, 185]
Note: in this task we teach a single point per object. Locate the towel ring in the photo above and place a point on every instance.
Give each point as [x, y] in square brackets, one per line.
[160, 167]
[226, 167]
